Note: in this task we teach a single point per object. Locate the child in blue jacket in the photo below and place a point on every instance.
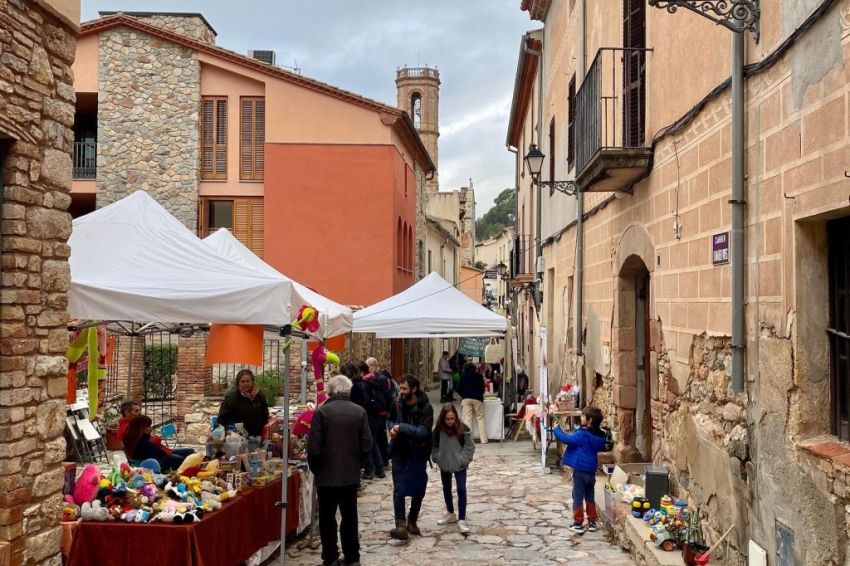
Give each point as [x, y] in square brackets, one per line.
[583, 446]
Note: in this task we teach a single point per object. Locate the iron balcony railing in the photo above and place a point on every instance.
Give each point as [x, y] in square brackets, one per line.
[85, 160]
[611, 103]
[522, 258]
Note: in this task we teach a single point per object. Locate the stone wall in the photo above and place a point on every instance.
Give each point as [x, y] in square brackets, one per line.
[148, 122]
[36, 113]
[189, 26]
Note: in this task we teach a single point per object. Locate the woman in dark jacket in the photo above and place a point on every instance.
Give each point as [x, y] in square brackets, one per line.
[472, 391]
[139, 447]
[246, 405]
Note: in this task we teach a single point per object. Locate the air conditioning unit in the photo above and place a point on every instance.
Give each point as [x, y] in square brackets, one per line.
[263, 55]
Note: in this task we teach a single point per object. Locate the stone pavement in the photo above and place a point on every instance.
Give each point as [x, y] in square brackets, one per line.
[517, 515]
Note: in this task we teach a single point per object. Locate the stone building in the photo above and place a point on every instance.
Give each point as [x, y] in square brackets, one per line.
[37, 40]
[656, 324]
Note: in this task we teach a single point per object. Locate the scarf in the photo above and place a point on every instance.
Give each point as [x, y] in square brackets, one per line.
[251, 394]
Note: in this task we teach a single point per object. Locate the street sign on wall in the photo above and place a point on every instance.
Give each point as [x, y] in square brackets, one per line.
[720, 248]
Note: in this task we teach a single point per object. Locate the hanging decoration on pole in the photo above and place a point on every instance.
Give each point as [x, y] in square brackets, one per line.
[320, 357]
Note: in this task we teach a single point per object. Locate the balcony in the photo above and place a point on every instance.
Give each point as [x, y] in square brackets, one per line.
[85, 160]
[522, 261]
[611, 148]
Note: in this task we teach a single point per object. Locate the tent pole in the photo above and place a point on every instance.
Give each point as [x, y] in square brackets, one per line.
[130, 364]
[285, 331]
[303, 398]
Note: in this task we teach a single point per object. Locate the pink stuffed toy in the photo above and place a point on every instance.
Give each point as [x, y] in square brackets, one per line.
[87, 486]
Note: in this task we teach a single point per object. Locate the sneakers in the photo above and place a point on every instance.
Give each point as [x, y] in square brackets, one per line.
[577, 528]
[381, 475]
[591, 527]
[369, 476]
[447, 519]
[461, 526]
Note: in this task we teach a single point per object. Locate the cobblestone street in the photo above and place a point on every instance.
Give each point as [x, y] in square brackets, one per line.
[517, 515]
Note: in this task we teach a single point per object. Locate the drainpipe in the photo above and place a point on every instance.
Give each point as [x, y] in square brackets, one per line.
[582, 46]
[511, 293]
[738, 203]
[538, 299]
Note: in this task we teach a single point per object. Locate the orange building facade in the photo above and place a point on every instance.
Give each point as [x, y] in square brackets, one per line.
[319, 182]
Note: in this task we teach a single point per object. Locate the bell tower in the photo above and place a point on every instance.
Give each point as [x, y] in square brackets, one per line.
[419, 96]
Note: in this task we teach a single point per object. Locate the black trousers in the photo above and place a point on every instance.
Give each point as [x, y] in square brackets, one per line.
[343, 498]
[445, 389]
[381, 440]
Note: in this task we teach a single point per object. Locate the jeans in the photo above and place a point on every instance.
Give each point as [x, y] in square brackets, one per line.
[344, 498]
[182, 452]
[399, 469]
[375, 465]
[460, 479]
[171, 462]
[382, 442]
[583, 484]
[470, 406]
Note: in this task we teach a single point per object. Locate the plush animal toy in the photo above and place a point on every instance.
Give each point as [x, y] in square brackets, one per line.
[129, 516]
[152, 465]
[308, 319]
[70, 512]
[190, 461]
[143, 516]
[167, 516]
[210, 500]
[87, 486]
[209, 471]
[188, 517]
[92, 511]
[320, 357]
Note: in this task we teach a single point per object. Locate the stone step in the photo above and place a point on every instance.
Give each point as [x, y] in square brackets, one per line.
[646, 551]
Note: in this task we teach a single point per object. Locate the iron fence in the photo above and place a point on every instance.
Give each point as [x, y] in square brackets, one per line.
[159, 382]
[611, 103]
[85, 160]
[269, 377]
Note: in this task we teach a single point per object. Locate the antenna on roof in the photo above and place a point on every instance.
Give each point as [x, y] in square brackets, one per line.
[296, 69]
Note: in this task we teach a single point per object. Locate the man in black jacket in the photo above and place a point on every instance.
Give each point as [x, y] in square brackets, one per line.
[340, 442]
[410, 421]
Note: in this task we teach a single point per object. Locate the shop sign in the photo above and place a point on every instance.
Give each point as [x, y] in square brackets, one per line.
[720, 248]
[491, 274]
[473, 346]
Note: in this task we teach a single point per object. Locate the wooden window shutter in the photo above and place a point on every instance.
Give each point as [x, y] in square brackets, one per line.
[552, 154]
[253, 139]
[242, 220]
[214, 138]
[634, 71]
[203, 217]
[571, 124]
[257, 218]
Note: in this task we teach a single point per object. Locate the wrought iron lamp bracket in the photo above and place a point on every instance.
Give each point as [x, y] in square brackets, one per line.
[567, 187]
[736, 15]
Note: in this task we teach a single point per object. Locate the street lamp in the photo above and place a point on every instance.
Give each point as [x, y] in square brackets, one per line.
[501, 269]
[534, 161]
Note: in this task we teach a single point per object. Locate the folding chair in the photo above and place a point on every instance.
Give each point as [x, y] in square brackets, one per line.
[169, 431]
[71, 424]
[518, 418]
[93, 440]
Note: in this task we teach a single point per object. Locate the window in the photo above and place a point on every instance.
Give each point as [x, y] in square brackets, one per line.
[416, 109]
[244, 217]
[429, 261]
[571, 124]
[400, 245]
[634, 71]
[252, 147]
[552, 155]
[839, 325]
[214, 138]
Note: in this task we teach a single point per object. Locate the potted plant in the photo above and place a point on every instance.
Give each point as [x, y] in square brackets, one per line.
[110, 423]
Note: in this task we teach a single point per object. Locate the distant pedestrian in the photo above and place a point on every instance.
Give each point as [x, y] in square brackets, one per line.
[452, 451]
[472, 391]
[339, 443]
[444, 370]
[411, 419]
[581, 454]
[380, 376]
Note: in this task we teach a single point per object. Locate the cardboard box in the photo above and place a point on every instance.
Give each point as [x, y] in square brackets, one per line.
[623, 475]
[261, 480]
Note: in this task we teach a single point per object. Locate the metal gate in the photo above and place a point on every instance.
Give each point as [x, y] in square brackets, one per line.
[268, 377]
[839, 325]
[159, 384]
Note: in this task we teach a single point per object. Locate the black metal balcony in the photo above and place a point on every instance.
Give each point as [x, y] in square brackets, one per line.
[611, 148]
[85, 160]
[522, 260]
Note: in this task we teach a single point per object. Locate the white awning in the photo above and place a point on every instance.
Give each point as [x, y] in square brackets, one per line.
[432, 308]
[334, 319]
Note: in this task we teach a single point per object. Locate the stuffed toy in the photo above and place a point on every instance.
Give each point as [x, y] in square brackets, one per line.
[150, 491]
[211, 500]
[70, 512]
[191, 471]
[209, 471]
[129, 516]
[143, 516]
[192, 516]
[115, 477]
[172, 490]
[92, 511]
[171, 505]
[159, 480]
[190, 461]
[167, 516]
[152, 465]
[87, 486]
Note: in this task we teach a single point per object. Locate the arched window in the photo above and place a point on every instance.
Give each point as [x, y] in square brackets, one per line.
[404, 248]
[410, 248]
[399, 245]
[416, 109]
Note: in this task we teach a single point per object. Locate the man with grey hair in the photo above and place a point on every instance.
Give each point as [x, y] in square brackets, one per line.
[340, 442]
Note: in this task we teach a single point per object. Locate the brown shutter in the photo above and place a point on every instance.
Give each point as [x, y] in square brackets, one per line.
[571, 124]
[242, 220]
[203, 217]
[214, 138]
[253, 139]
[552, 155]
[634, 70]
[257, 228]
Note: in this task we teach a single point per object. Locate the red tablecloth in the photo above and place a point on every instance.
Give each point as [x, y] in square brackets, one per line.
[223, 538]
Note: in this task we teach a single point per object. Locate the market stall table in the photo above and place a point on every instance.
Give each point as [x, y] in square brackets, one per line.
[492, 420]
[225, 537]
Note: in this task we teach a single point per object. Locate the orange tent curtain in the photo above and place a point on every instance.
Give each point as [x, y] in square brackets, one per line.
[235, 344]
[335, 344]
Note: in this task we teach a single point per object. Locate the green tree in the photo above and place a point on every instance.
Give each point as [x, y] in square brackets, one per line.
[502, 214]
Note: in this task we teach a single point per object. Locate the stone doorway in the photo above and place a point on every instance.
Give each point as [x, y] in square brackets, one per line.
[631, 345]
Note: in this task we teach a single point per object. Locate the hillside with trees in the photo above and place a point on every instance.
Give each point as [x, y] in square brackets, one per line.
[501, 215]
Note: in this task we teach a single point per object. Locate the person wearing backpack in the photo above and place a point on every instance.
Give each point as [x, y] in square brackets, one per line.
[365, 394]
[452, 451]
[389, 389]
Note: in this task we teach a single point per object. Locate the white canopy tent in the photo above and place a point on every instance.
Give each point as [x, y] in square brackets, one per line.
[432, 308]
[335, 319]
[134, 261]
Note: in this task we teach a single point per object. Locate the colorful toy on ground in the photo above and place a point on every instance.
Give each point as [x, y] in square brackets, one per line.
[640, 505]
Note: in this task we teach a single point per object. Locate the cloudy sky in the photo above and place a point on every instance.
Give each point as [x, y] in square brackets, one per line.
[358, 44]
